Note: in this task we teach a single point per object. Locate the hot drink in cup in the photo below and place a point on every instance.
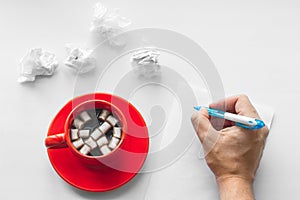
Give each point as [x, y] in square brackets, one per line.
[95, 132]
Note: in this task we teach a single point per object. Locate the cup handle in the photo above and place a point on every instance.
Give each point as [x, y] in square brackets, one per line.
[56, 141]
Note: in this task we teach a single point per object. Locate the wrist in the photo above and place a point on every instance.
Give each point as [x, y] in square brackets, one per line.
[235, 187]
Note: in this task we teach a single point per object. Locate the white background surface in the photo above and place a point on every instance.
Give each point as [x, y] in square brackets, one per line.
[254, 45]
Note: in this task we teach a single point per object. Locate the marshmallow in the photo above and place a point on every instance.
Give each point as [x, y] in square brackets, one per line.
[85, 116]
[104, 128]
[84, 133]
[85, 149]
[112, 120]
[78, 143]
[102, 141]
[78, 123]
[113, 143]
[105, 150]
[74, 134]
[117, 132]
[91, 143]
[104, 114]
[96, 134]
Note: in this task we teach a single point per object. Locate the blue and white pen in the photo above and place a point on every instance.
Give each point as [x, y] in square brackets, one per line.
[241, 121]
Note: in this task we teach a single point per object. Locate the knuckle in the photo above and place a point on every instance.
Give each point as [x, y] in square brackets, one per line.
[194, 117]
[243, 96]
[266, 131]
[201, 137]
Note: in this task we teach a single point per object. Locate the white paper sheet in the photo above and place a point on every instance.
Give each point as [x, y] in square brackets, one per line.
[190, 175]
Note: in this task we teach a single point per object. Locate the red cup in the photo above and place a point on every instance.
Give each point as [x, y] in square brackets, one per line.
[63, 140]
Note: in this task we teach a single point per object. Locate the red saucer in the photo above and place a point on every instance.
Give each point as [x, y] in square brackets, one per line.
[91, 179]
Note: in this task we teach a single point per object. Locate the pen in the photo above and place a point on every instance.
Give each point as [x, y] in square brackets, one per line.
[241, 121]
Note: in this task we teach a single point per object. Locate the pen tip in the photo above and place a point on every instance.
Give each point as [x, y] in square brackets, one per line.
[197, 107]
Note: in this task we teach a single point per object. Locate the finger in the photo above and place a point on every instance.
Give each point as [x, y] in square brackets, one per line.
[244, 107]
[201, 123]
[239, 104]
[227, 104]
[219, 123]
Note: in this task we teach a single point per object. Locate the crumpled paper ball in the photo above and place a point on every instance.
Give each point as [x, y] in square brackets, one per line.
[37, 62]
[108, 24]
[145, 62]
[80, 59]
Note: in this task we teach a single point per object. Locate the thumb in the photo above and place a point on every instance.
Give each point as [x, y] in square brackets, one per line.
[201, 123]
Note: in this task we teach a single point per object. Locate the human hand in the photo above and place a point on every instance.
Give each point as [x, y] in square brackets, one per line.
[232, 153]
